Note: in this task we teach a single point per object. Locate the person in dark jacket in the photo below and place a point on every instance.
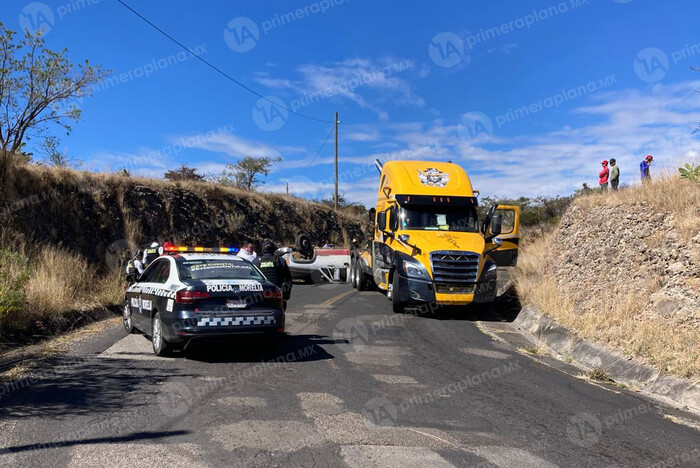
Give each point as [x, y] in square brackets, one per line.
[614, 174]
[275, 268]
[644, 168]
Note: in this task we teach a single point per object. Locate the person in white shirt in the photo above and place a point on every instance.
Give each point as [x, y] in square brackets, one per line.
[248, 251]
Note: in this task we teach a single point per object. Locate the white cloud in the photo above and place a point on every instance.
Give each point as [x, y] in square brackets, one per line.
[627, 125]
[352, 79]
[233, 145]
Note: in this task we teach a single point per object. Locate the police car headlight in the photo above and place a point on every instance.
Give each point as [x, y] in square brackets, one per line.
[415, 270]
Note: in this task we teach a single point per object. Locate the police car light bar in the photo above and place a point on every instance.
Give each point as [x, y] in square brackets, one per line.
[175, 248]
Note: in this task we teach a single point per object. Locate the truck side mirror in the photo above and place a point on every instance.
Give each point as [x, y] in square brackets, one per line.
[381, 221]
[393, 219]
[372, 215]
[496, 224]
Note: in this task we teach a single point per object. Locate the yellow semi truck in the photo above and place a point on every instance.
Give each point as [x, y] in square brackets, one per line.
[428, 245]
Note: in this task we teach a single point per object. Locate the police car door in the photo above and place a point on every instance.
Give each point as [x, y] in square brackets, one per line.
[144, 294]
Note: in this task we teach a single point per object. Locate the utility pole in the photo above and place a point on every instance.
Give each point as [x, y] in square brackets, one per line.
[336, 161]
[287, 188]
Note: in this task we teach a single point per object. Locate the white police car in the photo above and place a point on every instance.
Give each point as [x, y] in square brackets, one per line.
[193, 293]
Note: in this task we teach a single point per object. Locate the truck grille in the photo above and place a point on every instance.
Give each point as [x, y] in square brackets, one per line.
[455, 267]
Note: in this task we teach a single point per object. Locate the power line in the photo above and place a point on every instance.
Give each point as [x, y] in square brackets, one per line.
[217, 69]
[318, 152]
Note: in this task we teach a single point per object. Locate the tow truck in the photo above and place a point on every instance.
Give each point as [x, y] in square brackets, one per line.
[428, 246]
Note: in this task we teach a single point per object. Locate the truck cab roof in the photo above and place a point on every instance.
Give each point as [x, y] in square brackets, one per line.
[424, 178]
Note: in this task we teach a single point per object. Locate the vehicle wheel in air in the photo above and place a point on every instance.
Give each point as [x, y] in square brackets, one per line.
[127, 319]
[160, 346]
[396, 304]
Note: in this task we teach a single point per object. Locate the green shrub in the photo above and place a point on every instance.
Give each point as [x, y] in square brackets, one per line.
[690, 172]
[14, 275]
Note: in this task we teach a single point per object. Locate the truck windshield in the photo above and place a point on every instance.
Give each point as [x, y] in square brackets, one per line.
[439, 218]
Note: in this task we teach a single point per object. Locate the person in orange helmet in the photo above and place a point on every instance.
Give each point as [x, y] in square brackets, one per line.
[644, 168]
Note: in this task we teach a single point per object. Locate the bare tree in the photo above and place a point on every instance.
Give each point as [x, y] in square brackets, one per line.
[36, 89]
[51, 146]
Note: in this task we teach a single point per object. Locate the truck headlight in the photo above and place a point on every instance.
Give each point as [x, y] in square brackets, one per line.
[415, 270]
[491, 271]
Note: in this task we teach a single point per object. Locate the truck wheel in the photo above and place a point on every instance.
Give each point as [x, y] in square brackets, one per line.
[362, 282]
[396, 304]
[160, 346]
[353, 273]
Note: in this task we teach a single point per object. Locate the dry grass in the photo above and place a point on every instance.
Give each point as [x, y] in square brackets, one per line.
[62, 281]
[619, 322]
[667, 194]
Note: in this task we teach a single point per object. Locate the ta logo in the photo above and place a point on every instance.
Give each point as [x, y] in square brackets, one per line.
[446, 49]
[584, 429]
[351, 335]
[241, 34]
[475, 128]
[651, 64]
[36, 16]
[270, 113]
[381, 412]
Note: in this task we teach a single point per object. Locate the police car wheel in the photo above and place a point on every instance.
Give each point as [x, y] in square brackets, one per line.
[127, 319]
[160, 346]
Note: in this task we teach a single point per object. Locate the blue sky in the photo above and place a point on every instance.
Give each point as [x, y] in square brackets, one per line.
[528, 96]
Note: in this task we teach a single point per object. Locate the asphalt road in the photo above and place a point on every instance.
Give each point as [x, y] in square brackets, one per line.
[353, 385]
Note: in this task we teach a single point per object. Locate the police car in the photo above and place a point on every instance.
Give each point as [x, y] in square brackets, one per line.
[195, 292]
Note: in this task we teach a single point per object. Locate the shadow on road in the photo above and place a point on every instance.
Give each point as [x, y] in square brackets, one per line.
[293, 348]
[69, 386]
[97, 440]
[504, 309]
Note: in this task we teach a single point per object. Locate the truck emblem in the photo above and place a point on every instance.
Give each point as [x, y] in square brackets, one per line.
[434, 178]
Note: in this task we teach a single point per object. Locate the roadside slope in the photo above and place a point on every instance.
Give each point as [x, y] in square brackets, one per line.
[623, 270]
[87, 212]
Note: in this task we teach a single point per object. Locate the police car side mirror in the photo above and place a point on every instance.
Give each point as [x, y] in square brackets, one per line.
[131, 278]
[283, 251]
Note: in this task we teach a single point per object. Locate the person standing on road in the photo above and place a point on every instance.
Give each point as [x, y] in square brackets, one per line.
[644, 168]
[248, 251]
[275, 268]
[603, 176]
[614, 174]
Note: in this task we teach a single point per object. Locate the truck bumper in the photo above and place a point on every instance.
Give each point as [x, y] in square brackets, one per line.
[414, 291]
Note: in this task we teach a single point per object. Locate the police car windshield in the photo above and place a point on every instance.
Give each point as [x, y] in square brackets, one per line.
[439, 218]
[217, 269]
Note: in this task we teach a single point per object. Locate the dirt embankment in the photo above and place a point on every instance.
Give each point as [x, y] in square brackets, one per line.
[66, 235]
[96, 214]
[623, 269]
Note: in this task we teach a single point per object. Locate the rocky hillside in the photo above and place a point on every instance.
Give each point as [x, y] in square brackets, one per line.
[96, 215]
[623, 269]
[613, 251]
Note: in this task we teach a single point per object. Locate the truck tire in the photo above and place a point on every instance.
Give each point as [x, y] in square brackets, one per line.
[353, 273]
[361, 278]
[396, 304]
